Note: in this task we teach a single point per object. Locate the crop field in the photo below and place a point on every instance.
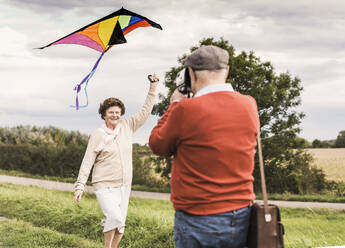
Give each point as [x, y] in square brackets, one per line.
[331, 161]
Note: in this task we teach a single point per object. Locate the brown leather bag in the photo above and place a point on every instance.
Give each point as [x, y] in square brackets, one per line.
[265, 228]
[262, 233]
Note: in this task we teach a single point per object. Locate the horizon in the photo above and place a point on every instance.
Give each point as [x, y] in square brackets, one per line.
[63, 129]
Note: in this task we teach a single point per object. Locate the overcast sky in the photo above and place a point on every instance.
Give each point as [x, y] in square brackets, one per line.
[306, 38]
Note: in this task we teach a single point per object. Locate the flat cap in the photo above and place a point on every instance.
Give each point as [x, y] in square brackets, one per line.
[207, 58]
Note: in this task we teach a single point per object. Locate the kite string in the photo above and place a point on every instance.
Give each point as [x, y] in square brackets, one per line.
[86, 81]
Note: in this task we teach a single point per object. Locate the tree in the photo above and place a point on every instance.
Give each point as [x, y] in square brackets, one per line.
[301, 143]
[340, 142]
[277, 96]
[316, 143]
[321, 144]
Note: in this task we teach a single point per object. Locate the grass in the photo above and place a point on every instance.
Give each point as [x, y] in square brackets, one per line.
[304, 198]
[149, 222]
[20, 234]
[150, 189]
[313, 228]
[331, 161]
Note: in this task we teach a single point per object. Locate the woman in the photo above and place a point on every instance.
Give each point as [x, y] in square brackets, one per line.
[109, 152]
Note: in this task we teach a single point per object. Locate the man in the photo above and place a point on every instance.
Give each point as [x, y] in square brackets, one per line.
[212, 137]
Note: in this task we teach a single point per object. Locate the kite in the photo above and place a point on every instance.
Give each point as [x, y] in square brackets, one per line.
[101, 35]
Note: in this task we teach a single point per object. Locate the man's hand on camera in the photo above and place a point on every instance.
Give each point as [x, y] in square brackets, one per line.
[177, 96]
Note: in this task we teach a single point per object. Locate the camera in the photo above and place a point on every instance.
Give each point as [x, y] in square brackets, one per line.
[183, 82]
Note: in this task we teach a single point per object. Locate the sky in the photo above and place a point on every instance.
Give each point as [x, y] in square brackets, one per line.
[305, 38]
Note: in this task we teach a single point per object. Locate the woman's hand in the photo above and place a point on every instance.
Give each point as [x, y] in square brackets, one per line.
[155, 79]
[77, 195]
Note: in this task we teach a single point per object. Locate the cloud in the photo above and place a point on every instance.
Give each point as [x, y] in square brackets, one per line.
[323, 123]
[301, 37]
[12, 43]
[61, 5]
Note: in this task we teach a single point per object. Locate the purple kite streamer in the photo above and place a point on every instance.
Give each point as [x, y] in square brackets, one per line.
[86, 81]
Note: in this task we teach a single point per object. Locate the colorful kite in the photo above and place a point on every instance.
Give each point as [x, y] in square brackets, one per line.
[101, 35]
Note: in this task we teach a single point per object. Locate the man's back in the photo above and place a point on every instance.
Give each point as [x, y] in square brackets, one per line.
[213, 145]
[212, 138]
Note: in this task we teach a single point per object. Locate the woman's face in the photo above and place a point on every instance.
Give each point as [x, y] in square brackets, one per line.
[112, 116]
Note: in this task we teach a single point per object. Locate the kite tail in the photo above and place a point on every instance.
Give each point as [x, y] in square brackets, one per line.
[86, 81]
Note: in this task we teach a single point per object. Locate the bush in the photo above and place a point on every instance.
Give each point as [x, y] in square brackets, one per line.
[340, 142]
[143, 172]
[45, 160]
[321, 144]
[54, 152]
[294, 174]
[335, 188]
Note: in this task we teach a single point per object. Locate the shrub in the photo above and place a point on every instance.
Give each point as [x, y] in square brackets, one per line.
[54, 152]
[143, 172]
[294, 174]
[42, 160]
[335, 188]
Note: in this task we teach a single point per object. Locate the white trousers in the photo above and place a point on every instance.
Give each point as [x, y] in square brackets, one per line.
[114, 205]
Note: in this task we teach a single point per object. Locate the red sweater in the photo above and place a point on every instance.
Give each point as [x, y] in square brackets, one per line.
[212, 138]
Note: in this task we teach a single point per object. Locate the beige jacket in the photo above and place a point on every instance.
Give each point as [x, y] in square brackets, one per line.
[112, 167]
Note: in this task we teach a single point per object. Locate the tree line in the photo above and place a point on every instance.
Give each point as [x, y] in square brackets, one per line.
[50, 151]
[46, 151]
[339, 142]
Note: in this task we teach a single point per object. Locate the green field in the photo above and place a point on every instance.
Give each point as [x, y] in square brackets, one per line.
[149, 222]
[20, 234]
[50, 217]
